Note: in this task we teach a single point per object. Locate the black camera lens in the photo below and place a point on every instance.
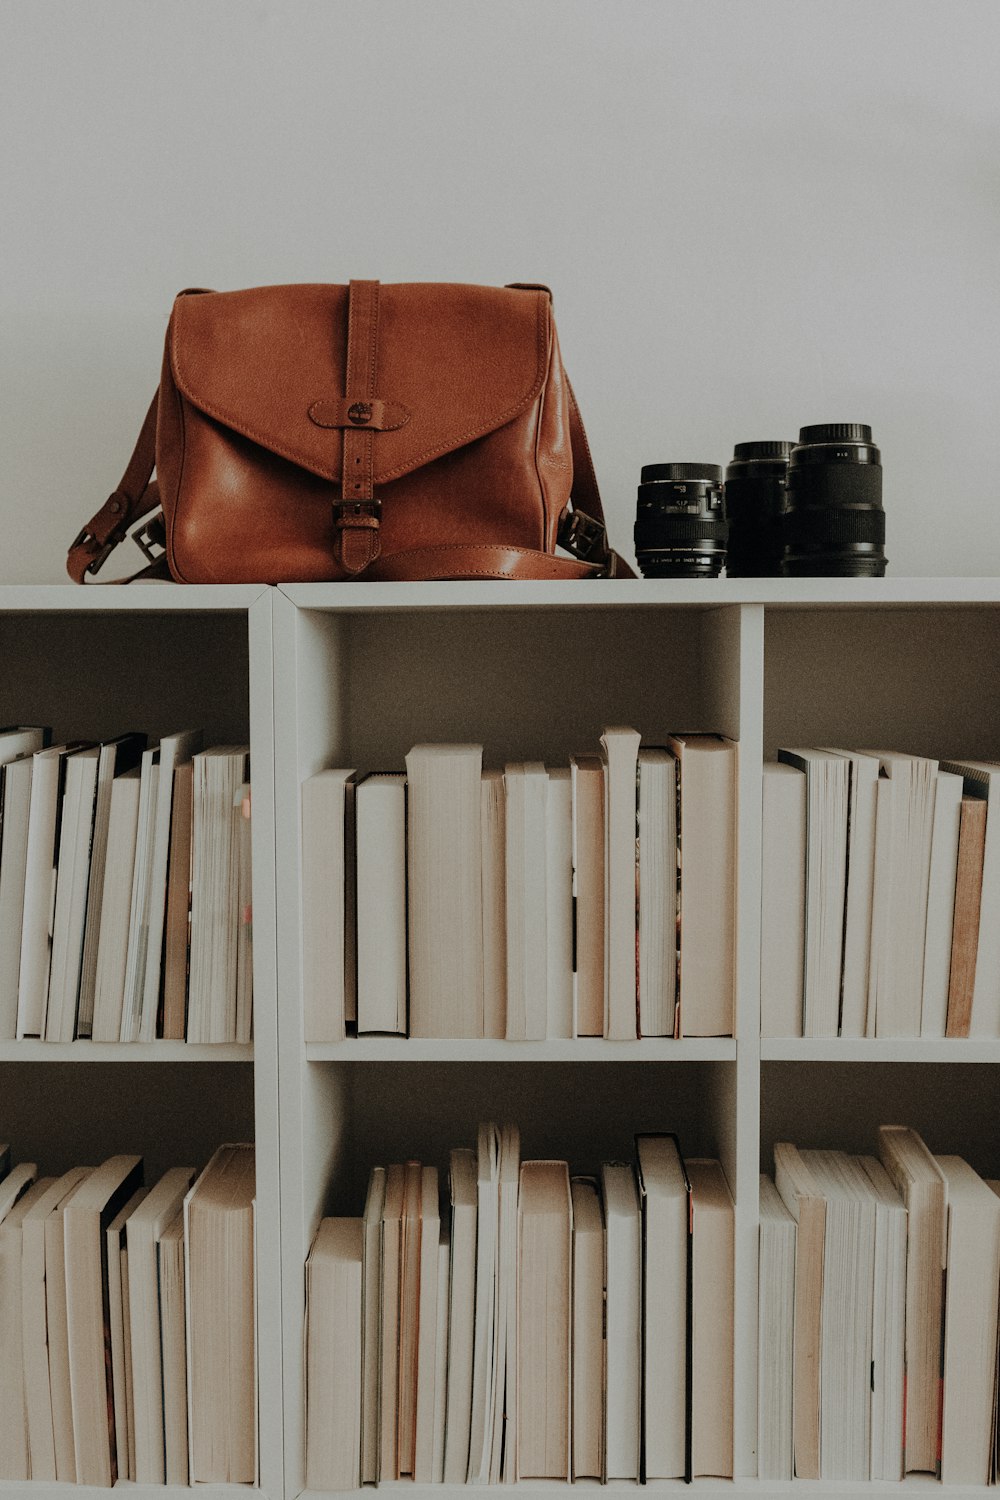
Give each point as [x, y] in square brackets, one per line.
[680, 521]
[755, 504]
[834, 525]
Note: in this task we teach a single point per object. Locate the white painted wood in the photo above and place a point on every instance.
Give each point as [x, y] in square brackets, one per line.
[137, 597]
[582, 1049]
[915, 1049]
[84, 1052]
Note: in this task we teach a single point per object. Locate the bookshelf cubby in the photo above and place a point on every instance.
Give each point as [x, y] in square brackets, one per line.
[354, 675]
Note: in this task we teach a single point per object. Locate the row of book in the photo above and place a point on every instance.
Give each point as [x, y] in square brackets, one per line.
[124, 889]
[543, 1327]
[880, 896]
[879, 1286]
[595, 899]
[127, 1323]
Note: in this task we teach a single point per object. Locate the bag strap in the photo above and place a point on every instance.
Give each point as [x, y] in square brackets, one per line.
[582, 531]
[137, 496]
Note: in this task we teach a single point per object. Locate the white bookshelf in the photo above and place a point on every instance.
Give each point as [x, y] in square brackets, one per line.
[356, 674]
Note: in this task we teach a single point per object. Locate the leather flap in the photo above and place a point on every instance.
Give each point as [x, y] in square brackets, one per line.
[462, 360]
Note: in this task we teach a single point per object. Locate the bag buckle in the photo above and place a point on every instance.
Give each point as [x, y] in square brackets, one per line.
[151, 538]
[357, 512]
[581, 535]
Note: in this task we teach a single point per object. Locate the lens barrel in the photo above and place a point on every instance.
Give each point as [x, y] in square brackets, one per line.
[834, 524]
[680, 521]
[755, 505]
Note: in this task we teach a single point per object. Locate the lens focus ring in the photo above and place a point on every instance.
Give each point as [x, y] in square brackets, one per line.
[823, 527]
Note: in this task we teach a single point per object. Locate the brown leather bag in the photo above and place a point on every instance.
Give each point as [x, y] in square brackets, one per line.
[306, 433]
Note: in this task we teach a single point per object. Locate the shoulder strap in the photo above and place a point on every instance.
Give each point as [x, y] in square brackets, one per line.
[582, 531]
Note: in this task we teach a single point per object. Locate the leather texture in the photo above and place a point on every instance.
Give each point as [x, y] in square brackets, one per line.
[312, 432]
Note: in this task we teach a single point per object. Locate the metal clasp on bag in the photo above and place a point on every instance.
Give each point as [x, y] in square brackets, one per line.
[151, 538]
[581, 535]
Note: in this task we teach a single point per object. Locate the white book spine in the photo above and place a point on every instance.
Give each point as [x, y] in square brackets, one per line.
[941, 904]
[559, 903]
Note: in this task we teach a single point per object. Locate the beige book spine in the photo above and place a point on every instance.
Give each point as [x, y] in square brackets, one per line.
[175, 942]
[965, 928]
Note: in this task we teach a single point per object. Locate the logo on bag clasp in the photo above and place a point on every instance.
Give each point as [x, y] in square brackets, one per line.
[360, 413]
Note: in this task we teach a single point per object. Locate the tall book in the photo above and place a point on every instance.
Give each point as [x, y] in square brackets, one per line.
[782, 900]
[221, 1303]
[527, 928]
[112, 947]
[116, 757]
[427, 1328]
[380, 820]
[409, 1318]
[462, 1178]
[665, 1196]
[966, 918]
[14, 1460]
[213, 1003]
[120, 1331]
[58, 1340]
[970, 1324]
[88, 1214]
[941, 904]
[559, 902]
[484, 1336]
[177, 923]
[143, 1231]
[544, 1335]
[888, 1374]
[623, 1282]
[803, 1197]
[656, 888]
[827, 795]
[862, 801]
[775, 1320]
[920, 1183]
[15, 785]
[493, 826]
[76, 829]
[371, 1291]
[173, 1339]
[706, 770]
[588, 1330]
[333, 1356]
[911, 804]
[982, 779]
[328, 874]
[504, 1450]
[137, 927]
[390, 1322]
[587, 777]
[444, 850]
[175, 750]
[712, 1292]
[620, 752]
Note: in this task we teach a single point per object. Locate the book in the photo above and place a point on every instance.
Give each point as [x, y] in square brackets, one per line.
[620, 752]
[970, 1325]
[911, 816]
[333, 1355]
[371, 1292]
[89, 1212]
[782, 900]
[965, 921]
[48, 779]
[427, 1328]
[380, 821]
[445, 895]
[656, 887]
[15, 783]
[463, 1188]
[175, 750]
[173, 1340]
[862, 805]
[827, 794]
[34, 1325]
[120, 1337]
[888, 1373]
[559, 903]
[76, 829]
[941, 904]
[484, 1336]
[587, 779]
[846, 1343]
[441, 1357]
[493, 831]
[665, 1199]
[623, 1283]
[527, 929]
[706, 832]
[328, 874]
[177, 922]
[803, 1198]
[409, 1318]
[390, 1333]
[921, 1184]
[58, 1340]
[775, 1320]
[544, 1321]
[143, 1230]
[504, 1448]
[213, 992]
[982, 779]
[588, 1330]
[878, 947]
[712, 1292]
[219, 1271]
[14, 1461]
[137, 929]
[112, 946]
[115, 758]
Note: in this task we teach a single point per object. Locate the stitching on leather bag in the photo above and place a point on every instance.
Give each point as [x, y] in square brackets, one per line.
[172, 550]
[232, 420]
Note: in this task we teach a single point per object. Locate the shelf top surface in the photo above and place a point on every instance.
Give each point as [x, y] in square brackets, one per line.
[20, 598]
[707, 593]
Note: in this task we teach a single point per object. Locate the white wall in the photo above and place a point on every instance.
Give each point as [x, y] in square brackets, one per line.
[753, 216]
